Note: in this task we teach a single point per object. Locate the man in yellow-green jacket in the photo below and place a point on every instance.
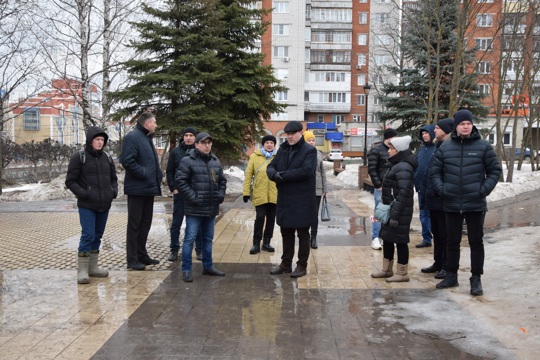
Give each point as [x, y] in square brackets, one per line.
[263, 194]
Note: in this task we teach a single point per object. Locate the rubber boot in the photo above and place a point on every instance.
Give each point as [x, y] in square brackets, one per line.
[256, 247]
[93, 269]
[401, 274]
[83, 260]
[386, 270]
[266, 246]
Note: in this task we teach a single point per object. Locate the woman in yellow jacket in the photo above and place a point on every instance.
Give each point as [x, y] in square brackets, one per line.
[263, 193]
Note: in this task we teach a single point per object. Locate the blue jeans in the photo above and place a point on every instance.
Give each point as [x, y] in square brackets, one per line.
[376, 226]
[93, 226]
[177, 220]
[425, 220]
[194, 225]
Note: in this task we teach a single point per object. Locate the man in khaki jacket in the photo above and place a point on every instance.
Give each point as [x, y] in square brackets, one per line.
[263, 194]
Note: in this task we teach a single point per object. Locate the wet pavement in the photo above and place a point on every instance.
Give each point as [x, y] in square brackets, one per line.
[337, 311]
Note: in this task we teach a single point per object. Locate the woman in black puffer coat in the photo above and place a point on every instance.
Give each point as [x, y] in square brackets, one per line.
[398, 189]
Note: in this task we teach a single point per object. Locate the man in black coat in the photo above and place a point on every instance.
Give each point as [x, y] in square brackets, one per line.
[92, 178]
[201, 182]
[175, 156]
[293, 171]
[141, 184]
[378, 165]
[465, 171]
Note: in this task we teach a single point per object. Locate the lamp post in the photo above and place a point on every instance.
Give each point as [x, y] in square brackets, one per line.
[366, 91]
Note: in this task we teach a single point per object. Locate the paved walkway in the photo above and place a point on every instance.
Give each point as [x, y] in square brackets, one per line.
[337, 311]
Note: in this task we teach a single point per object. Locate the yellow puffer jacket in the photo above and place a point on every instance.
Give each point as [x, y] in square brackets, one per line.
[264, 190]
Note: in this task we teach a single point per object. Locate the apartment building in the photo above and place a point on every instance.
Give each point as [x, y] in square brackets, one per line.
[53, 114]
[325, 52]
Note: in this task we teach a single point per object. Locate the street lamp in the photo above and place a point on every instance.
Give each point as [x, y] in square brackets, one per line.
[366, 91]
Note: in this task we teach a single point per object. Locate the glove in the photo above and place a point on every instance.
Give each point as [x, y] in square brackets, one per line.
[277, 178]
[393, 223]
[246, 198]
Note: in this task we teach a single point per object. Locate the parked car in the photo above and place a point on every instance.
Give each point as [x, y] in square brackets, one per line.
[334, 154]
[526, 154]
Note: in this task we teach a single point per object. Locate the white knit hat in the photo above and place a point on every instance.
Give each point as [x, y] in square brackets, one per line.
[401, 143]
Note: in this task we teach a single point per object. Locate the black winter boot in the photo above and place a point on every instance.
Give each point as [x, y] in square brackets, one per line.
[476, 285]
[449, 281]
[266, 246]
[256, 247]
[173, 256]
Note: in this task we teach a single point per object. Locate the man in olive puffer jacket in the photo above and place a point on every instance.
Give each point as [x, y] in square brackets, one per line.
[465, 170]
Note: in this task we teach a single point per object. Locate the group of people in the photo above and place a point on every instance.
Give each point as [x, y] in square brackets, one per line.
[195, 178]
[453, 172]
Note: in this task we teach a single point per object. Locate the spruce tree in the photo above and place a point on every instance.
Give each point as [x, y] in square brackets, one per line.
[197, 65]
[428, 52]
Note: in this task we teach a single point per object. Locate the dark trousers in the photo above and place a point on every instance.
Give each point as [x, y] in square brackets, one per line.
[438, 229]
[315, 226]
[265, 213]
[177, 220]
[140, 212]
[475, 232]
[402, 252]
[288, 235]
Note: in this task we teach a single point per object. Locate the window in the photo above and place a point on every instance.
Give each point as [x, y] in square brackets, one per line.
[379, 80]
[362, 59]
[338, 119]
[306, 95]
[484, 67]
[381, 18]
[381, 60]
[362, 39]
[320, 118]
[483, 43]
[281, 7]
[361, 100]
[484, 20]
[362, 1]
[482, 89]
[382, 1]
[485, 1]
[332, 15]
[281, 51]
[361, 80]
[308, 12]
[383, 40]
[281, 74]
[280, 29]
[339, 56]
[31, 119]
[362, 18]
[332, 97]
[377, 100]
[357, 118]
[330, 76]
[281, 96]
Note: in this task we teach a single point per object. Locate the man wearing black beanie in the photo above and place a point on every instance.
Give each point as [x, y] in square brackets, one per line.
[465, 171]
[175, 156]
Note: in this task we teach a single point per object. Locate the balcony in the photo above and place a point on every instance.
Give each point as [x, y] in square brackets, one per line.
[328, 107]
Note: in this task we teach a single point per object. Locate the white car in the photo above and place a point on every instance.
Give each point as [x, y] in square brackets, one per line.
[335, 154]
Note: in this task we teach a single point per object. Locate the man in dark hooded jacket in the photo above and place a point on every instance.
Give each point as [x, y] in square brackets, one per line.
[92, 178]
[293, 171]
[423, 155]
[142, 183]
[465, 171]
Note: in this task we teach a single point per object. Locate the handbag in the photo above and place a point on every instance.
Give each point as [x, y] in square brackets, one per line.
[325, 212]
[382, 212]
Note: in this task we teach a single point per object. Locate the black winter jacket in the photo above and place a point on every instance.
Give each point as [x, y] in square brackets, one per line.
[201, 182]
[140, 160]
[378, 164]
[94, 183]
[398, 187]
[175, 156]
[423, 155]
[464, 172]
[296, 202]
[431, 199]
